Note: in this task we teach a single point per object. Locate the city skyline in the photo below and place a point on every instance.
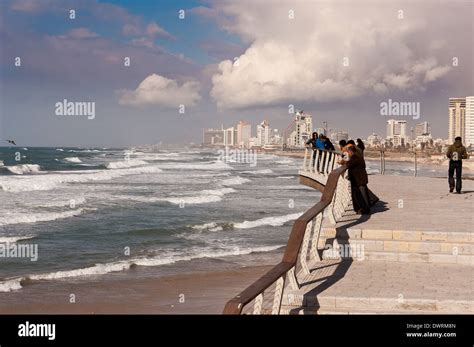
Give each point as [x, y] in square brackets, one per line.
[397, 133]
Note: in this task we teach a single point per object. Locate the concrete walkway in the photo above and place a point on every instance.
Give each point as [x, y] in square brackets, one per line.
[418, 254]
[420, 204]
[415, 203]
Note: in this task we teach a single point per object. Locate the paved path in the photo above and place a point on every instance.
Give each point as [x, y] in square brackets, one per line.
[420, 204]
[419, 254]
[384, 287]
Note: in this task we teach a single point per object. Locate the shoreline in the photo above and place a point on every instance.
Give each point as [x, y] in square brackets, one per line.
[200, 287]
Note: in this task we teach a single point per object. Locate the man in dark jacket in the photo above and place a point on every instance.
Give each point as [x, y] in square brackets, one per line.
[456, 153]
[359, 180]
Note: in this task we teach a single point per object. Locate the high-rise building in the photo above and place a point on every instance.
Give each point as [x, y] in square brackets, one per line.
[457, 118]
[397, 132]
[302, 125]
[244, 133]
[374, 140]
[213, 137]
[422, 129]
[469, 127]
[230, 136]
[263, 133]
[338, 136]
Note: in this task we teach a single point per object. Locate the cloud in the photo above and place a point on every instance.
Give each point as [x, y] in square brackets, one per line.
[161, 91]
[31, 6]
[221, 49]
[80, 33]
[154, 29]
[130, 30]
[328, 52]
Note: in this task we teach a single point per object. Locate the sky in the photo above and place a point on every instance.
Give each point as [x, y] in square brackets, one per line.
[162, 71]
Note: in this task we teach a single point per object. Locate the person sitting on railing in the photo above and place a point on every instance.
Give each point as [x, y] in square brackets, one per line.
[312, 143]
[359, 180]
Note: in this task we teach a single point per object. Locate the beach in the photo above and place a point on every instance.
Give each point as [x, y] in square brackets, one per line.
[204, 290]
[142, 234]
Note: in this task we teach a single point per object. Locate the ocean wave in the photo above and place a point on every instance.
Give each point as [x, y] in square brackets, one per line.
[234, 181]
[65, 202]
[273, 221]
[285, 177]
[213, 226]
[125, 164]
[219, 226]
[53, 180]
[102, 269]
[73, 160]
[215, 165]
[10, 285]
[38, 217]
[60, 149]
[84, 151]
[259, 172]
[14, 239]
[203, 197]
[23, 169]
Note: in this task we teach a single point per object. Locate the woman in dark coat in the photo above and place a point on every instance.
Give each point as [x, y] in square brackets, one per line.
[359, 180]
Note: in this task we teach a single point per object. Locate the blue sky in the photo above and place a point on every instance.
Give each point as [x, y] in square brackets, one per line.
[282, 61]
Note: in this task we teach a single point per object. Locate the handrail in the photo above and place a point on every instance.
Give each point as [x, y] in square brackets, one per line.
[299, 238]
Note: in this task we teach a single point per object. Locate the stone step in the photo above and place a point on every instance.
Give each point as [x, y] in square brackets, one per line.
[399, 235]
[381, 287]
[353, 311]
[405, 257]
[321, 304]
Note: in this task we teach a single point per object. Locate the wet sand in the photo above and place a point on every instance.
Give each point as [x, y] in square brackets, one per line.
[204, 291]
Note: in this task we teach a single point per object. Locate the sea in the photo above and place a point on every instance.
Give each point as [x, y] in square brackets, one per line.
[96, 211]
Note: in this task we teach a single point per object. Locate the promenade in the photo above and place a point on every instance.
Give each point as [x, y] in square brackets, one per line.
[418, 254]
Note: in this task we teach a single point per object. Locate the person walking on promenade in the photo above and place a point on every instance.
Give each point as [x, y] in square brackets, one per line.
[359, 180]
[456, 153]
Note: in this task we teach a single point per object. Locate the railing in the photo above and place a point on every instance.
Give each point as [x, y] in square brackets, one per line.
[265, 295]
[320, 162]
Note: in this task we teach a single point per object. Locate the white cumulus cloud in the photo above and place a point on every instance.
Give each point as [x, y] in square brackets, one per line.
[329, 51]
[161, 91]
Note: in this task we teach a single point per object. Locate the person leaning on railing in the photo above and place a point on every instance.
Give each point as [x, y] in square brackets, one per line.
[312, 143]
[355, 163]
[329, 147]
